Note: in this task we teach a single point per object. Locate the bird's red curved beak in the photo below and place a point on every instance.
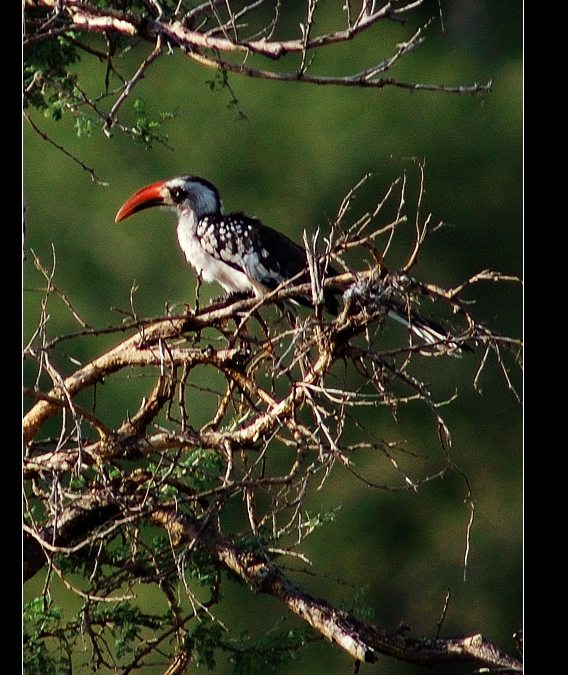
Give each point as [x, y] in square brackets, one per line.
[151, 195]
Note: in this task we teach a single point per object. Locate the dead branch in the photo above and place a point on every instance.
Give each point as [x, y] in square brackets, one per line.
[226, 47]
[362, 641]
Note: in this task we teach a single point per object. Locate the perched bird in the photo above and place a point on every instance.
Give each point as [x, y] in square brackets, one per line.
[235, 250]
[243, 255]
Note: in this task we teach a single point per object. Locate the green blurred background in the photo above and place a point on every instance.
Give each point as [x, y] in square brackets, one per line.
[290, 162]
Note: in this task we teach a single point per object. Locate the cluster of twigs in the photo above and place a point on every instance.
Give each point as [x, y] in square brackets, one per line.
[282, 391]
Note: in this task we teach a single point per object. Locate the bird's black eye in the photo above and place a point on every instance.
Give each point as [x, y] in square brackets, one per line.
[178, 194]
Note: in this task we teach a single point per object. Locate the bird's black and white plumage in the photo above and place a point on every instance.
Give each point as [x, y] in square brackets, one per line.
[235, 250]
[243, 255]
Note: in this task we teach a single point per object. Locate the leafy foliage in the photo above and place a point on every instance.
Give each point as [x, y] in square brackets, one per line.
[40, 623]
[147, 129]
[49, 84]
[269, 653]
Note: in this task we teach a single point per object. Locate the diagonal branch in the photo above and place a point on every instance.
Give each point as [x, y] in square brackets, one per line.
[206, 48]
[138, 75]
[360, 640]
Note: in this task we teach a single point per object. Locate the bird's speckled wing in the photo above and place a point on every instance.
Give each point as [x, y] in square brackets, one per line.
[266, 256]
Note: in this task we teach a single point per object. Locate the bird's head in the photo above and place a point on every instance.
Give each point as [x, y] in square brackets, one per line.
[184, 194]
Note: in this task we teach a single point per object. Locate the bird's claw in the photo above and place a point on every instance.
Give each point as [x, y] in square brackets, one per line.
[229, 298]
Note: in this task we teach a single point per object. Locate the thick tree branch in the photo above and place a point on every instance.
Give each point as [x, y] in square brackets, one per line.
[75, 522]
[361, 640]
[143, 349]
[207, 48]
[136, 350]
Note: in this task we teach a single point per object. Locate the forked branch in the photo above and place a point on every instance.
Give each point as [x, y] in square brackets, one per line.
[215, 36]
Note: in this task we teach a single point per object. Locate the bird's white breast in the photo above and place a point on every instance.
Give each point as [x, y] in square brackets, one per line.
[207, 266]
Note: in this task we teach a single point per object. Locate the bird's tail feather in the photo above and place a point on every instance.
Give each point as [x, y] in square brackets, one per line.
[430, 332]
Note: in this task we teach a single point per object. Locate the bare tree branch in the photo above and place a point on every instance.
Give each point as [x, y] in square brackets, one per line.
[94, 177]
[362, 641]
[226, 47]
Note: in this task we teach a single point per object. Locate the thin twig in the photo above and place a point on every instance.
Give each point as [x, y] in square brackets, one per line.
[94, 177]
[138, 75]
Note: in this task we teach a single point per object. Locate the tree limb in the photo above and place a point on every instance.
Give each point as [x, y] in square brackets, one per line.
[206, 48]
[362, 641]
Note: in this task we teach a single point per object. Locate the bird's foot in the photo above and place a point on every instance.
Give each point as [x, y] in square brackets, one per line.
[229, 298]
